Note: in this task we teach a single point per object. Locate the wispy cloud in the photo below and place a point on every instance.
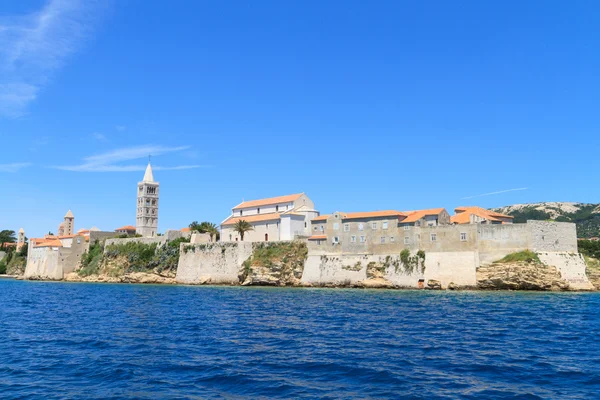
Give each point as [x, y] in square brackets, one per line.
[15, 167]
[98, 136]
[113, 161]
[34, 46]
[120, 128]
[493, 193]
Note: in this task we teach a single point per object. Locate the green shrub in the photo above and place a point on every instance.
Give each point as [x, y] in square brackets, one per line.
[2, 267]
[521, 256]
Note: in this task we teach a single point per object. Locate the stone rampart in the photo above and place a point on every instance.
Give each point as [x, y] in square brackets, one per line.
[215, 263]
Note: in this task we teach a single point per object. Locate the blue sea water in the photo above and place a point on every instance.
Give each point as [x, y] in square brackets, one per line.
[61, 340]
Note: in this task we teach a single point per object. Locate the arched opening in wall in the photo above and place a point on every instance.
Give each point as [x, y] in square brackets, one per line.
[421, 283]
[266, 237]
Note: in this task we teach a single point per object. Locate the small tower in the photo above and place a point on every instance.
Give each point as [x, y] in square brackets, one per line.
[147, 205]
[20, 239]
[68, 224]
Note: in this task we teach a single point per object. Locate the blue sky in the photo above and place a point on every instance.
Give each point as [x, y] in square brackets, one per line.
[362, 105]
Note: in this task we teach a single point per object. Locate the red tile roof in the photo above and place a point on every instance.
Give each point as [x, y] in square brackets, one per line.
[318, 237]
[463, 215]
[126, 228]
[265, 202]
[414, 216]
[321, 218]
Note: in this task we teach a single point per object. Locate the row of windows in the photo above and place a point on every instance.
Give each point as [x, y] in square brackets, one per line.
[286, 208]
[392, 239]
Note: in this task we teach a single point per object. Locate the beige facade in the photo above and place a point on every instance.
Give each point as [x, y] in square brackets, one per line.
[278, 218]
[147, 205]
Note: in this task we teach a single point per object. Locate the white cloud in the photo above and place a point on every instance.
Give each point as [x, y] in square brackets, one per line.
[98, 136]
[112, 161]
[493, 193]
[34, 46]
[15, 167]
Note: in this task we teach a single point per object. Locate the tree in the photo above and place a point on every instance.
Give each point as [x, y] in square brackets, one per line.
[7, 236]
[205, 227]
[241, 227]
[211, 229]
[195, 227]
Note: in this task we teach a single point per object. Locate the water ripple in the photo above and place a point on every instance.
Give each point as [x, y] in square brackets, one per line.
[103, 341]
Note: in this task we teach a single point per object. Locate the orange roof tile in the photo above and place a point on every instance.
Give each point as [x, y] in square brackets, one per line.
[186, 230]
[67, 236]
[321, 218]
[265, 202]
[463, 215]
[374, 214]
[318, 237]
[253, 218]
[126, 228]
[50, 243]
[414, 216]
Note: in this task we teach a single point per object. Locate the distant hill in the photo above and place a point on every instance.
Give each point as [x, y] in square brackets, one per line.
[585, 215]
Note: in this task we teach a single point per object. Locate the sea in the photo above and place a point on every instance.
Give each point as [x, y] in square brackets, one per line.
[121, 341]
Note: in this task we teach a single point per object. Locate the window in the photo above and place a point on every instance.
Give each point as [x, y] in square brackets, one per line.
[463, 236]
[353, 239]
[363, 239]
[374, 226]
[336, 239]
[305, 225]
[384, 225]
[258, 210]
[392, 239]
[433, 237]
[316, 228]
[276, 208]
[346, 227]
[406, 240]
[383, 240]
[430, 224]
[241, 212]
[406, 227]
[361, 227]
[336, 226]
[322, 228]
[318, 242]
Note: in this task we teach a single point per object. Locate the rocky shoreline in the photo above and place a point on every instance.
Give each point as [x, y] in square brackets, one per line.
[490, 278]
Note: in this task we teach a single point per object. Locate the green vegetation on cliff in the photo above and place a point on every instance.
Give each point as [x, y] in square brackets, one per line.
[521, 256]
[123, 258]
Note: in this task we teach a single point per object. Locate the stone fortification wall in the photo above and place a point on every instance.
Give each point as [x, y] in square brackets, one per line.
[43, 263]
[571, 267]
[101, 236]
[215, 263]
[354, 270]
[496, 241]
[552, 236]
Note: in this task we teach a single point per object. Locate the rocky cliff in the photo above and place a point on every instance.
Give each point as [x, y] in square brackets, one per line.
[275, 264]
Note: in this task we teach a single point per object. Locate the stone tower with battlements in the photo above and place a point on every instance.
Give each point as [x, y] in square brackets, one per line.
[147, 205]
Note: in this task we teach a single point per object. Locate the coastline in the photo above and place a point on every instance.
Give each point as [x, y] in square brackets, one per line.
[140, 278]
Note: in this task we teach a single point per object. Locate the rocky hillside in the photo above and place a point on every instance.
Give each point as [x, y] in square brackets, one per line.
[585, 215]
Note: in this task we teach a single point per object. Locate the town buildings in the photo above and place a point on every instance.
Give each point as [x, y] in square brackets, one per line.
[147, 205]
[127, 230]
[277, 218]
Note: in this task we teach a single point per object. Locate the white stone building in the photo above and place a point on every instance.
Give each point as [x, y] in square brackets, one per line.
[276, 218]
[147, 205]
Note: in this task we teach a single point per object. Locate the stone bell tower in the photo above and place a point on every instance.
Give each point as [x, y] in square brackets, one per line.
[20, 239]
[147, 205]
